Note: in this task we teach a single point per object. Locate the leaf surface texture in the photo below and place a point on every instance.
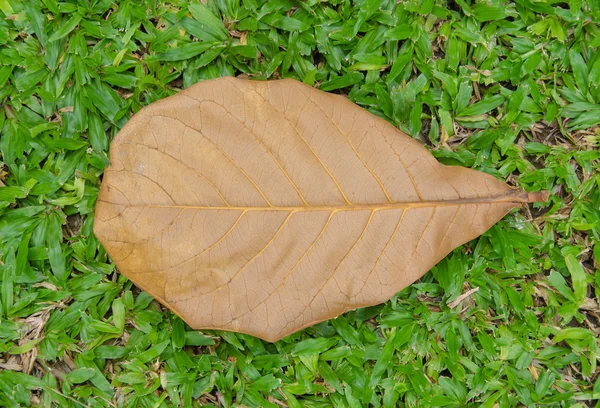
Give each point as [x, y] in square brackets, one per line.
[268, 206]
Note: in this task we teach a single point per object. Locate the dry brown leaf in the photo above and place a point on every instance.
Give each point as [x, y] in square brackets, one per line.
[268, 206]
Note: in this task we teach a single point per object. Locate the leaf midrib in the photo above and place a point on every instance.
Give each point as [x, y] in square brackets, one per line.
[511, 197]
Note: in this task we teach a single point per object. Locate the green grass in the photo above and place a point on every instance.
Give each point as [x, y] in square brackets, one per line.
[509, 88]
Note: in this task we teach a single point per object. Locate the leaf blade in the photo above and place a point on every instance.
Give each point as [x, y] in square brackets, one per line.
[356, 207]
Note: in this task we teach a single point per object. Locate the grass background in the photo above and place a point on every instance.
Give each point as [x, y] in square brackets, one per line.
[509, 88]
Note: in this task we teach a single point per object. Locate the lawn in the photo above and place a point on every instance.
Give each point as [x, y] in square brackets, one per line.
[510, 88]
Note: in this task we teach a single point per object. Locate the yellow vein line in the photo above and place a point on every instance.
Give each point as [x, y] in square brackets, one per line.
[257, 255]
[210, 247]
[310, 148]
[116, 188]
[416, 251]
[180, 161]
[344, 258]
[513, 199]
[167, 227]
[443, 176]
[387, 244]
[349, 143]
[450, 225]
[222, 152]
[147, 178]
[285, 173]
[290, 273]
[96, 218]
[423, 233]
[406, 168]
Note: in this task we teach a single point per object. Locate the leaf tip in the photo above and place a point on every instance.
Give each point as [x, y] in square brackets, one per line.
[537, 196]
